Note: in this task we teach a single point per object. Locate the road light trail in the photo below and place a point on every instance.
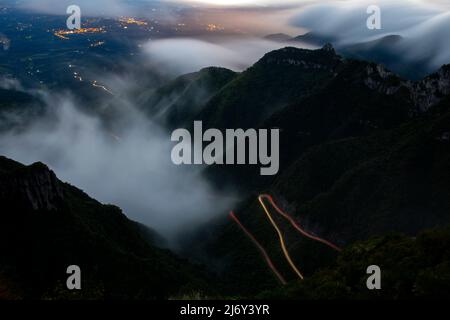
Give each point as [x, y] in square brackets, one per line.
[280, 236]
[94, 84]
[260, 247]
[294, 224]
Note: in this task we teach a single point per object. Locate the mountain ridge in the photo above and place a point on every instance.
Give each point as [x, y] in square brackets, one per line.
[361, 156]
[47, 225]
[364, 153]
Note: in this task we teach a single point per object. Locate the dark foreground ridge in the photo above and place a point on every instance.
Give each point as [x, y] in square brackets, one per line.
[47, 225]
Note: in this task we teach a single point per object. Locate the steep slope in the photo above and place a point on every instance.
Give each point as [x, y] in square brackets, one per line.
[361, 99]
[47, 225]
[366, 154]
[432, 89]
[411, 268]
[396, 180]
[389, 50]
[278, 79]
[172, 103]
[315, 39]
[355, 99]
[345, 190]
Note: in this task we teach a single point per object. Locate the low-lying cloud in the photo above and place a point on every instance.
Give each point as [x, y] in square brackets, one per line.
[8, 83]
[346, 20]
[423, 25]
[188, 55]
[127, 164]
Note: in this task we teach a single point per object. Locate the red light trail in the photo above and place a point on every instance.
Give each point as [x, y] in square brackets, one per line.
[295, 225]
[280, 236]
[260, 247]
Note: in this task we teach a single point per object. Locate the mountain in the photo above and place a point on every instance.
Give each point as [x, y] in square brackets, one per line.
[390, 51]
[345, 190]
[315, 39]
[364, 154]
[412, 268]
[222, 98]
[382, 50]
[47, 225]
[279, 37]
[313, 96]
[392, 180]
[276, 80]
[431, 90]
[184, 96]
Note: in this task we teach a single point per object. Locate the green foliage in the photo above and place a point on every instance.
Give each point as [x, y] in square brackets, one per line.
[184, 96]
[280, 78]
[355, 163]
[46, 225]
[411, 268]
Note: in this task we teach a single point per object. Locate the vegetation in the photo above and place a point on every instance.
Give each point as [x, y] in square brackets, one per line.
[411, 268]
[47, 225]
[358, 163]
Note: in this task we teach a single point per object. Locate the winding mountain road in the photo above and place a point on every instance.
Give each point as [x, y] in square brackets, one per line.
[297, 227]
[294, 224]
[260, 247]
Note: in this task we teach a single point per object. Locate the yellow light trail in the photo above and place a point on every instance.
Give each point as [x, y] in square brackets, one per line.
[296, 226]
[280, 235]
[281, 238]
[260, 247]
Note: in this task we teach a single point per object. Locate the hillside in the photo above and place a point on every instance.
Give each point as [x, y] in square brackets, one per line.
[412, 268]
[346, 190]
[278, 79]
[325, 97]
[47, 225]
[364, 153]
[184, 96]
[361, 156]
[388, 51]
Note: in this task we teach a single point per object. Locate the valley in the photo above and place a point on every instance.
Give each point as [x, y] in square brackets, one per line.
[153, 155]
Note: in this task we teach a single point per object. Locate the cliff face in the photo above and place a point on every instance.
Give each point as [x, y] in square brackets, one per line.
[47, 225]
[35, 187]
[324, 58]
[432, 89]
[423, 94]
[382, 80]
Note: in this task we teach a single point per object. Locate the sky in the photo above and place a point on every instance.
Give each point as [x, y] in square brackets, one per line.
[268, 14]
[277, 3]
[247, 2]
